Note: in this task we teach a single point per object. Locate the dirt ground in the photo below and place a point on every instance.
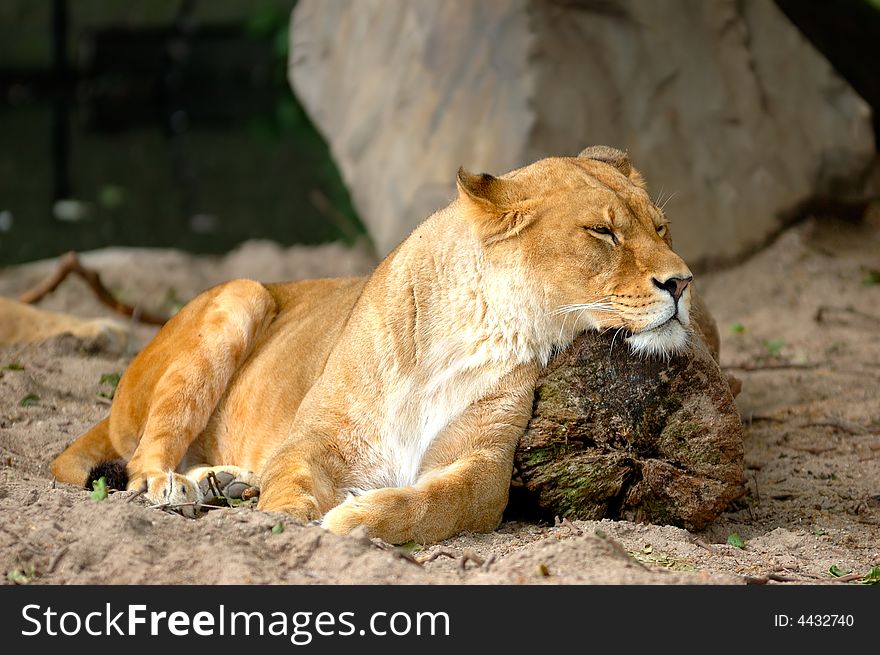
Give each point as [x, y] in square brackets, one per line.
[799, 324]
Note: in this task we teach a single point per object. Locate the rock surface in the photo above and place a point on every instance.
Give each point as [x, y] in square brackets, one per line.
[707, 97]
[615, 436]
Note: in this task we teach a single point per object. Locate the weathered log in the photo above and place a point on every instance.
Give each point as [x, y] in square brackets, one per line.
[614, 435]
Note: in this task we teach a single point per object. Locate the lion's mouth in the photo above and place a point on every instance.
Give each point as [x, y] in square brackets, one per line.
[666, 338]
[659, 326]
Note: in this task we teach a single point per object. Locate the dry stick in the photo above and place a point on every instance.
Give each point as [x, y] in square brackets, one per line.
[813, 450]
[760, 417]
[844, 426]
[571, 526]
[177, 506]
[768, 367]
[436, 555]
[136, 494]
[69, 263]
[775, 577]
[836, 423]
[823, 309]
[702, 544]
[469, 556]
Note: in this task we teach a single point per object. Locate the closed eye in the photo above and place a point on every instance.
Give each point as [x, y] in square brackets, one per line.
[602, 232]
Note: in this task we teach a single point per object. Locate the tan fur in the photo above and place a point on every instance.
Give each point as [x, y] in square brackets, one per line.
[21, 323]
[396, 401]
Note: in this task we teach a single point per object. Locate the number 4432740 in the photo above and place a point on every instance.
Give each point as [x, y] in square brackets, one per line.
[814, 620]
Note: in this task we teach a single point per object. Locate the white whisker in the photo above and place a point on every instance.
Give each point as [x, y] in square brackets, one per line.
[613, 339]
[665, 202]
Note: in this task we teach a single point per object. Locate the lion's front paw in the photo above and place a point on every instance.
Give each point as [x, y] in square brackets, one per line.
[390, 514]
[175, 492]
[303, 509]
[342, 519]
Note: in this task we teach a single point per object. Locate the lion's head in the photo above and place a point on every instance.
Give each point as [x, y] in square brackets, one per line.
[588, 235]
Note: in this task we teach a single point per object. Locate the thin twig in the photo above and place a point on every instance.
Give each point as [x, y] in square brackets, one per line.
[702, 544]
[69, 263]
[775, 577]
[571, 526]
[756, 366]
[823, 309]
[761, 417]
[836, 423]
[469, 556]
[176, 506]
[436, 555]
[814, 450]
[136, 494]
[489, 562]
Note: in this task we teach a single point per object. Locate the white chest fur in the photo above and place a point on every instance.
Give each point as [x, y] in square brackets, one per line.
[418, 410]
[455, 373]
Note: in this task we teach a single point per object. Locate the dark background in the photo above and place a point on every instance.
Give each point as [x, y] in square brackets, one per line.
[171, 123]
[156, 123]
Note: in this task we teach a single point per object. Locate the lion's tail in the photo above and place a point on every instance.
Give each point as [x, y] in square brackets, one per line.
[90, 457]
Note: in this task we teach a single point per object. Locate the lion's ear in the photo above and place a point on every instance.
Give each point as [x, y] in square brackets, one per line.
[614, 157]
[494, 205]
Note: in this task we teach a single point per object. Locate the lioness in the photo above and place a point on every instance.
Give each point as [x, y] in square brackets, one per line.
[396, 401]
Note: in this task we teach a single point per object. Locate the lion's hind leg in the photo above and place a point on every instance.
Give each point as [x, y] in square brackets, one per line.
[199, 359]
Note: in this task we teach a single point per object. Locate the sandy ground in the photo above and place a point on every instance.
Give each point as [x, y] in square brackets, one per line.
[799, 324]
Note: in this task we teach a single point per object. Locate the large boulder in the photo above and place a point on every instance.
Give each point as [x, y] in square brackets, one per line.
[613, 435]
[724, 106]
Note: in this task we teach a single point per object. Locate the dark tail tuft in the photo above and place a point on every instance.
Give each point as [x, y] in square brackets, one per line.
[114, 473]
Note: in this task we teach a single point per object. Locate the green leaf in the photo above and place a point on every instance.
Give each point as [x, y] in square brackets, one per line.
[13, 366]
[30, 399]
[774, 346]
[99, 487]
[872, 576]
[410, 547]
[820, 532]
[838, 572]
[19, 576]
[111, 379]
[871, 278]
[737, 328]
[278, 528]
[735, 540]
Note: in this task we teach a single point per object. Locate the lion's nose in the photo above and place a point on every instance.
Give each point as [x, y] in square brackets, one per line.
[674, 285]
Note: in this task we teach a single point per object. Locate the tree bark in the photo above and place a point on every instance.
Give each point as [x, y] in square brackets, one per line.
[617, 436]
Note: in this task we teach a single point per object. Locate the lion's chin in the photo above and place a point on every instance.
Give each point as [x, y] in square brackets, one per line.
[664, 340]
